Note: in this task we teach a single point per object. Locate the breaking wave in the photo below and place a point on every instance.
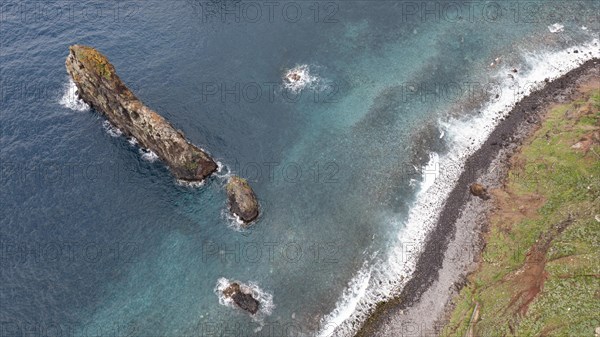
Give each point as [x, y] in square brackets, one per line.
[70, 99]
[148, 155]
[112, 130]
[298, 78]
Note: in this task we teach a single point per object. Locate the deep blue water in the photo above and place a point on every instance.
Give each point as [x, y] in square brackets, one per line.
[96, 241]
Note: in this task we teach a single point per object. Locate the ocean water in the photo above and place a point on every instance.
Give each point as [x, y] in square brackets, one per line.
[351, 169]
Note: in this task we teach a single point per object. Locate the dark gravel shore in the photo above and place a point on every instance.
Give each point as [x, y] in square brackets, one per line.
[453, 246]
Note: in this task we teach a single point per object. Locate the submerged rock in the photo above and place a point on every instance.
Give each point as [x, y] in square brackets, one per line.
[242, 201]
[479, 190]
[100, 87]
[243, 300]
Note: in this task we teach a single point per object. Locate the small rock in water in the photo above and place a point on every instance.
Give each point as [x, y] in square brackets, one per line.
[241, 299]
[242, 200]
[294, 77]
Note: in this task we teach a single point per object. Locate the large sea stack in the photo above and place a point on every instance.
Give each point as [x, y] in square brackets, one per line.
[100, 87]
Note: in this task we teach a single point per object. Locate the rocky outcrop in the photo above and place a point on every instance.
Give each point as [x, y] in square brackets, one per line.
[479, 190]
[242, 201]
[100, 87]
[242, 299]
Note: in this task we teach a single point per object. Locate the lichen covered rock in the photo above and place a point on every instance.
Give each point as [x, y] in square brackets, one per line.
[242, 201]
[100, 87]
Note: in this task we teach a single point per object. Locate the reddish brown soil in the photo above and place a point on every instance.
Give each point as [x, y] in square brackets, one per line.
[528, 281]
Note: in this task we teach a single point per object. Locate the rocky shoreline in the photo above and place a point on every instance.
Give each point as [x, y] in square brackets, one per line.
[452, 248]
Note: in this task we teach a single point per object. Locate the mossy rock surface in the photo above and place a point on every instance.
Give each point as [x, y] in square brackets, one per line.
[94, 60]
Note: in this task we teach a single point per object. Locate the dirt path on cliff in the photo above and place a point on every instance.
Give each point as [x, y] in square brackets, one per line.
[528, 281]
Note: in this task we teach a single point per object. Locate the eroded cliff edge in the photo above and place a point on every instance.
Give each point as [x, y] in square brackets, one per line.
[100, 87]
[454, 246]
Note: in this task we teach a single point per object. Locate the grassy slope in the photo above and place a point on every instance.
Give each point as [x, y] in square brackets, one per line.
[540, 270]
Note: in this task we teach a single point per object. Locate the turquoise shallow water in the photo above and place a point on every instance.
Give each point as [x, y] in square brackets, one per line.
[97, 241]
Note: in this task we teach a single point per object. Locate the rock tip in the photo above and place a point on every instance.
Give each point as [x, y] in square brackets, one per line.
[93, 60]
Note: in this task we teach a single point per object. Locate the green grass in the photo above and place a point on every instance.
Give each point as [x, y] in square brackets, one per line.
[569, 183]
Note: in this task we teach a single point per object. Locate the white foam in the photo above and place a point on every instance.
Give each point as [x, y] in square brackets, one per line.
[388, 276]
[191, 184]
[264, 298]
[355, 291]
[112, 130]
[233, 220]
[556, 28]
[303, 79]
[223, 172]
[145, 154]
[70, 100]
[132, 141]
[148, 155]
[431, 171]
[412, 182]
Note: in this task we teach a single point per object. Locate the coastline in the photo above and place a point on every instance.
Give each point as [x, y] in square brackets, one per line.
[452, 247]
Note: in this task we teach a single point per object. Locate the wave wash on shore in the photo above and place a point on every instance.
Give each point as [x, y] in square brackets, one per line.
[385, 279]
